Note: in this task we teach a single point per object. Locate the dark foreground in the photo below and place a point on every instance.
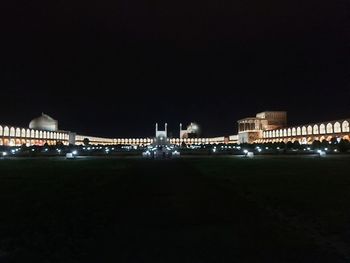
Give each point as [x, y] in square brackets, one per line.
[286, 209]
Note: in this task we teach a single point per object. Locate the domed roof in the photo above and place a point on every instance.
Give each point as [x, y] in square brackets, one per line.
[193, 128]
[44, 122]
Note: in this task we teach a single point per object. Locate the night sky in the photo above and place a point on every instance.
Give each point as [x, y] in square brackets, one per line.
[114, 68]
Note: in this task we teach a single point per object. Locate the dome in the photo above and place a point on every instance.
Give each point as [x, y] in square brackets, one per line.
[192, 128]
[44, 122]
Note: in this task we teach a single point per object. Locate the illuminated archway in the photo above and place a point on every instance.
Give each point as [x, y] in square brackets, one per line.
[315, 129]
[18, 132]
[1, 130]
[309, 130]
[23, 133]
[298, 131]
[294, 131]
[329, 128]
[345, 126]
[6, 131]
[12, 132]
[337, 127]
[322, 129]
[303, 130]
[289, 132]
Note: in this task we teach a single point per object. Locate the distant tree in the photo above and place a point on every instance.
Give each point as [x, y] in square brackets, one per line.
[296, 145]
[324, 144]
[289, 145]
[282, 145]
[86, 141]
[343, 145]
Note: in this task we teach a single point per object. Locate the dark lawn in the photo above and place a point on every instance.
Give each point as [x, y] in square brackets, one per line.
[225, 209]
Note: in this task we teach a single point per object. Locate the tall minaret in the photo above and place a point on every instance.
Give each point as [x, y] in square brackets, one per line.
[166, 129]
[156, 128]
[180, 130]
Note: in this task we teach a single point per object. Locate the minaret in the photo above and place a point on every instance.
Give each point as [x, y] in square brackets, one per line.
[166, 129]
[156, 128]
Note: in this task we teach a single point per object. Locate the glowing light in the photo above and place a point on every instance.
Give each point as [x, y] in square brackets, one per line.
[75, 152]
[4, 153]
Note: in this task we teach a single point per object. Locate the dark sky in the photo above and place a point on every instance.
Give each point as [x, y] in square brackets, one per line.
[114, 68]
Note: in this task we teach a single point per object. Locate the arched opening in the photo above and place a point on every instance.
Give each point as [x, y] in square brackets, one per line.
[273, 134]
[315, 129]
[329, 128]
[294, 131]
[12, 142]
[277, 133]
[23, 133]
[298, 131]
[309, 130]
[289, 132]
[1, 130]
[32, 133]
[337, 127]
[322, 138]
[18, 132]
[322, 129]
[6, 131]
[1, 142]
[28, 133]
[303, 130]
[12, 132]
[6, 142]
[345, 126]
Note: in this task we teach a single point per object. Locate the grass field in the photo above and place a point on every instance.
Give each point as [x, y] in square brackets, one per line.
[209, 209]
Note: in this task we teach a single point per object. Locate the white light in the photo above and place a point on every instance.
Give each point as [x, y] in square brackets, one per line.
[268, 148]
[277, 148]
[4, 153]
[13, 151]
[335, 150]
[326, 149]
[245, 151]
[75, 152]
[259, 150]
